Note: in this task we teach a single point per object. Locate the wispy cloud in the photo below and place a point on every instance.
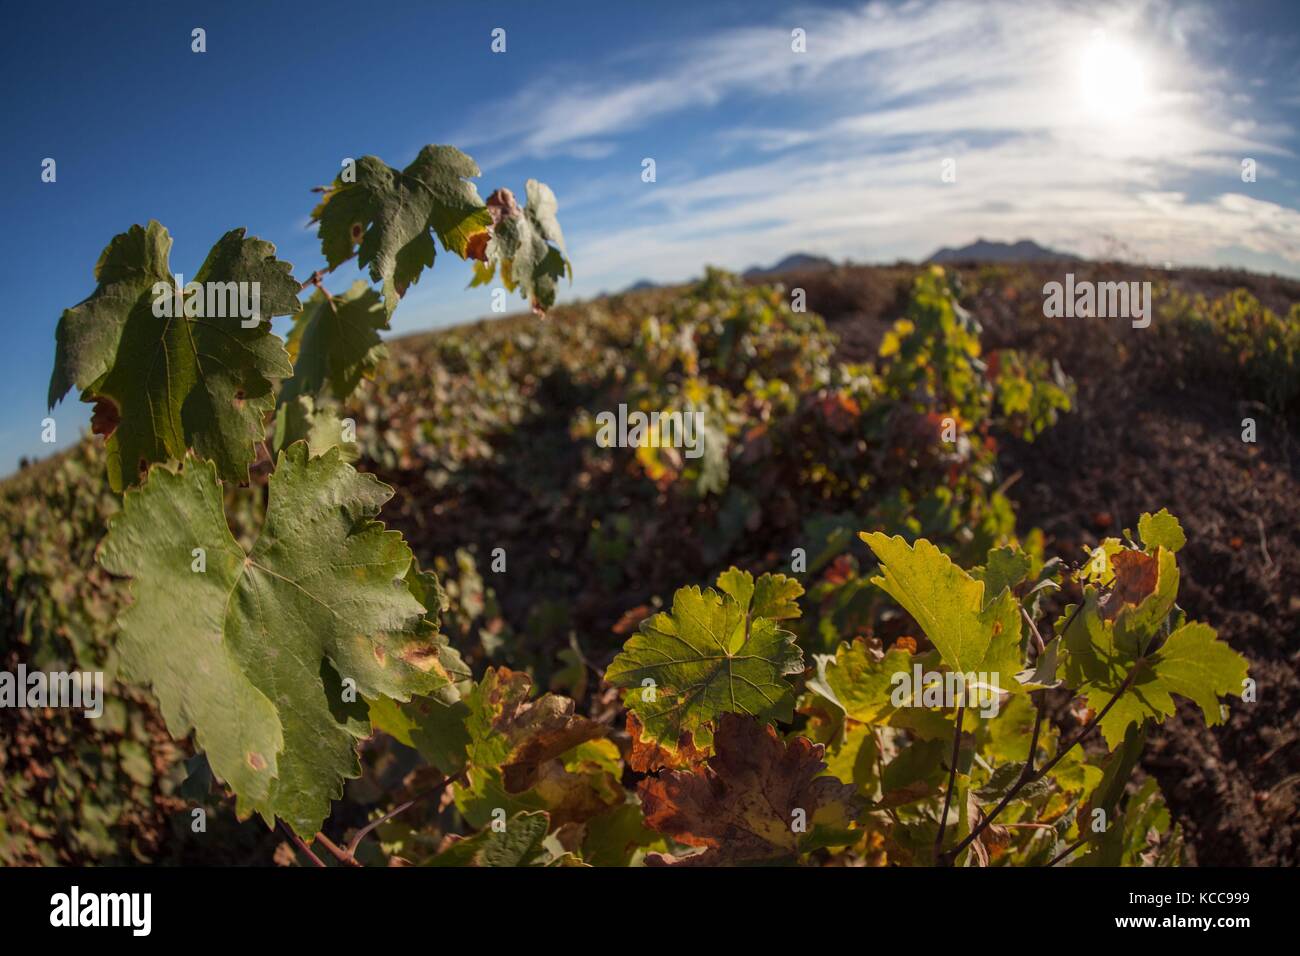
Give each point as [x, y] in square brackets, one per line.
[838, 150]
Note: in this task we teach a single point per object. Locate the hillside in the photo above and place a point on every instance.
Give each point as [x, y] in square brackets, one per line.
[983, 250]
[486, 430]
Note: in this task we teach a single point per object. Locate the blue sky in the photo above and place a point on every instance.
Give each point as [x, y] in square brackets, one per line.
[1097, 128]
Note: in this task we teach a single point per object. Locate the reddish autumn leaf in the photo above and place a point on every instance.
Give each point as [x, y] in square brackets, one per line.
[476, 248]
[905, 643]
[840, 570]
[647, 756]
[105, 418]
[757, 800]
[631, 619]
[840, 412]
[1135, 578]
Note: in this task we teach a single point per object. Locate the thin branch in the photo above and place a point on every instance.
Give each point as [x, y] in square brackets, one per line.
[340, 854]
[1068, 850]
[880, 772]
[1028, 826]
[1011, 480]
[302, 847]
[952, 779]
[1039, 644]
[313, 279]
[1025, 780]
[1091, 725]
[1033, 740]
[438, 788]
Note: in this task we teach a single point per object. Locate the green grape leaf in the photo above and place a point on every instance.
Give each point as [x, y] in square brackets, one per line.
[1043, 673]
[1161, 530]
[855, 757]
[707, 657]
[949, 605]
[714, 466]
[758, 800]
[251, 650]
[526, 245]
[857, 682]
[301, 419]
[389, 216]
[1008, 740]
[1191, 662]
[1005, 568]
[335, 343]
[434, 725]
[1117, 771]
[198, 379]
[874, 688]
[1005, 777]
[774, 596]
[518, 844]
[617, 836]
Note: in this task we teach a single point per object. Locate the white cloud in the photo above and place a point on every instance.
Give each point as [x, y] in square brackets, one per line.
[890, 91]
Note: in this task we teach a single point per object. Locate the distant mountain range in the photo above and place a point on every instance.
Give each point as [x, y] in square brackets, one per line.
[798, 262]
[982, 250]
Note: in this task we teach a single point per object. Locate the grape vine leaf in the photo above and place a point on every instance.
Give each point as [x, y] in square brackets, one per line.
[251, 651]
[163, 385]
[510, 733]
[389, 216]
[519, 844]
[335, 343]
[434, 725]
[773, 596]
[711, 655]
[757, 800]
[1005, 568]
[617, 836]
[581, 784]
[1106, 848]
[858, 682]
[972, 636]
[1106, 642]
[526, 245]
[646, 756]
[1161, 530]
[301, 419]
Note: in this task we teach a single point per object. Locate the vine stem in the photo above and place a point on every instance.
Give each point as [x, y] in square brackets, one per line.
[340, 854]
[361, 834]
[1068, 850]
[952, 779]
[1029, 776]
[303, 848]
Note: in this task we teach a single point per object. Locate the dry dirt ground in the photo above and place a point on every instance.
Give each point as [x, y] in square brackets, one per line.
[1148, 433]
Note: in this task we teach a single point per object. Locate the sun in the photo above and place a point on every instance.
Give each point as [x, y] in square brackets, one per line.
[1111, 77]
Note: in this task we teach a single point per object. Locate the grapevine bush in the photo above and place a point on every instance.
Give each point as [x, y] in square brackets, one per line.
[280, 624]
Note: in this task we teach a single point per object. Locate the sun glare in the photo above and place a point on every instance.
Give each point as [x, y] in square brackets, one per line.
[1111, 77]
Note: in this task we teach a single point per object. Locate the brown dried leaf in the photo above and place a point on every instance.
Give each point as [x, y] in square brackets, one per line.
[743, 805]
[518, 735]
[1135, 578]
